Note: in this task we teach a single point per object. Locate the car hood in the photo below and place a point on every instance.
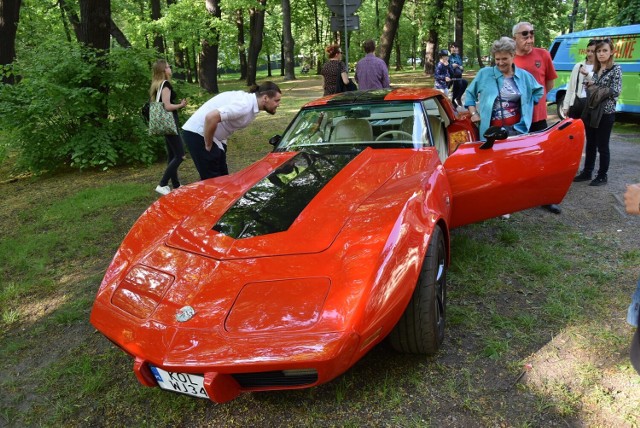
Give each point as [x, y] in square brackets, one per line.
[288, 203]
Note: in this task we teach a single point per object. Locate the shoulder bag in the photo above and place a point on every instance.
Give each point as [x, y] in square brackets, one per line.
[161, 121]
[576, 109]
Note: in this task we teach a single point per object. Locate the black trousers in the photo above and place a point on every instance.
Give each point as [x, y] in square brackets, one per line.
[209, 164]
[175, 156]
[598, 142]
[459, 86]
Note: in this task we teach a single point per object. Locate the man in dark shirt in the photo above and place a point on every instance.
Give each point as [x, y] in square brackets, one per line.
[371, 71]
[459, 83]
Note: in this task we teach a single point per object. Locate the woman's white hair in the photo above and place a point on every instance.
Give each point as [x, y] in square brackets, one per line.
[504, 44]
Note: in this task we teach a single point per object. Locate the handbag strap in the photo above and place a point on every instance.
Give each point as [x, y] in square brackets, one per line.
[159, 93]
[500, 102]
[578, 79]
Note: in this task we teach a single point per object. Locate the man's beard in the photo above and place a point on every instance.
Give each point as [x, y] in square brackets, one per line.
[271, 111]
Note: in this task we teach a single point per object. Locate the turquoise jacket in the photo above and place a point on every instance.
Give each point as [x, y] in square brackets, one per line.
[483, 91]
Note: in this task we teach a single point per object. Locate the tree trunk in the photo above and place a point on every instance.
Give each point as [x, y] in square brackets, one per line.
[459, 26]
[95, 23]
[95, 33]
[119, 35]
[209, 58]
[242, 50]
[9, 16]
[432, 40]
[398, 55]
[178, 55]
[158, 43]
[73, 18]
[390, 29]
[478, 52]
[256, 30]
[288, 43]
[574, 14]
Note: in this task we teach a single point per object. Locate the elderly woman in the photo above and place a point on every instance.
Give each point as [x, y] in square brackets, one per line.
[503, 95]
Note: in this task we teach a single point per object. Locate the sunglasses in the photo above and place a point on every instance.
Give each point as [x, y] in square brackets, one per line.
[526, 33]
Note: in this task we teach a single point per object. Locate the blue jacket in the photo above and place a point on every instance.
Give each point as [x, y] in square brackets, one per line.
[484, 88]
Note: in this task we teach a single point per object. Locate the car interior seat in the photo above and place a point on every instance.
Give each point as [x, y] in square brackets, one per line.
[407, 125]
[352, 130]
[439, 137]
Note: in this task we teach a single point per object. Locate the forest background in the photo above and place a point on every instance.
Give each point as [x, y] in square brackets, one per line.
[75, 72]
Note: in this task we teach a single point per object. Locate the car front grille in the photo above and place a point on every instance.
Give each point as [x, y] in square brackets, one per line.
[280, 378]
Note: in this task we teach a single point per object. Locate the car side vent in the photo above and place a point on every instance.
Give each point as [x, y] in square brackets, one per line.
[277, 378]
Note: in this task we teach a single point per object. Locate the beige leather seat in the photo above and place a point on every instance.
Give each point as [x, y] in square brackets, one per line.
[407, 125]
[439, 137]
[352, 130]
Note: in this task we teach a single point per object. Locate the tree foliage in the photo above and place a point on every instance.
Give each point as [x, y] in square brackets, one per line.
[66, 104]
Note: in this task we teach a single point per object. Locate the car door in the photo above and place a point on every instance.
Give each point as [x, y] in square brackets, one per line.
[514, 174]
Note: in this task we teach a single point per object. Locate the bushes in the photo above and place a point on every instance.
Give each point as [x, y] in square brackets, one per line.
[73, 108]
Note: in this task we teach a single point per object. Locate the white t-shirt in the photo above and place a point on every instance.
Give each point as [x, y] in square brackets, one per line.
[237, 110]
[583, 91]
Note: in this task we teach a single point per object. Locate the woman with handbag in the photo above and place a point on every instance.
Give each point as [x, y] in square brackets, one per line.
[503, 95]
[162, 90]
[334, 70]
[576, 96]
[600, 112]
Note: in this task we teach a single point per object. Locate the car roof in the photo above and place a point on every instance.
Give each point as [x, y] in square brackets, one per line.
[376, 95]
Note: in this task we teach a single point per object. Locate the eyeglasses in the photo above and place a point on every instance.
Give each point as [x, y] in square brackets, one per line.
[526, 33]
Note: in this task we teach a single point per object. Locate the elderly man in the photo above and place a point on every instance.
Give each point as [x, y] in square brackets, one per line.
[371, 71]
[538, 62]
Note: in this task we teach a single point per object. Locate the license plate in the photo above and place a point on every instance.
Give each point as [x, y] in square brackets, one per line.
[184, 383]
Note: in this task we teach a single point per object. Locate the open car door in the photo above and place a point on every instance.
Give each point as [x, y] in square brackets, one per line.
[514, 174]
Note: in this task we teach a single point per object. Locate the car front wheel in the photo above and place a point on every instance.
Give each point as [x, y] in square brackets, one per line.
[420, 330]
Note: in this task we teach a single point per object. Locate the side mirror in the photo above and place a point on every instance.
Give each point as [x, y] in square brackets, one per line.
[492, 134]
[275, 140]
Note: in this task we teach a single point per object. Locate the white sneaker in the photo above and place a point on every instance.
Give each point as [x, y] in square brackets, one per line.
[506, 216]
[163, 190]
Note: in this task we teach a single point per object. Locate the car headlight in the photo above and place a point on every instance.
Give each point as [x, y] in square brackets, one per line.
[141, 291]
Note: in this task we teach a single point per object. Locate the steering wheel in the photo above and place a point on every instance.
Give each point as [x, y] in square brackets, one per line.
[394, 131]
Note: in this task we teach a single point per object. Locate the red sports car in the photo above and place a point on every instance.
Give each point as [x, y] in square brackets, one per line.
[286, 273]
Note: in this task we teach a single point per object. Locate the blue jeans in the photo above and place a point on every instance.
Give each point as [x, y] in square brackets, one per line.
[634, 308]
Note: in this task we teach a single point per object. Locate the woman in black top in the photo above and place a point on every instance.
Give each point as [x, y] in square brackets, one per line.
[334, 69]
[175, 150]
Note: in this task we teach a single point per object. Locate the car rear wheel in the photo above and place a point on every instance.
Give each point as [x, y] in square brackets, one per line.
[420, 330]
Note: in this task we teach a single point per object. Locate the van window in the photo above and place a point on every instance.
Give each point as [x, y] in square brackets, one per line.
[554, 49]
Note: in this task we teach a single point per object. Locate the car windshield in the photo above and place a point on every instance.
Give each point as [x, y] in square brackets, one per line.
[376, 125]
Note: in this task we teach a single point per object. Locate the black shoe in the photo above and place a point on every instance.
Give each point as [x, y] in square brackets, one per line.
[600, 180]
[583, 176]
[553, 208]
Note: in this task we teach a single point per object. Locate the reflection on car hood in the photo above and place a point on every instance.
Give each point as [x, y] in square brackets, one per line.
[297, 206]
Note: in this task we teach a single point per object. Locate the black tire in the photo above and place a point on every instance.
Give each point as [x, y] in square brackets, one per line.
[420, 330]
[559, 102]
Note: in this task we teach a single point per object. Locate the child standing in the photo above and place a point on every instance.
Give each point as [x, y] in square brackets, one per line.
[442, 74]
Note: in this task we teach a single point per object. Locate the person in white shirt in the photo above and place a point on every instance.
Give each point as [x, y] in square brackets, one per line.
[207, 130]
[582, 71]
